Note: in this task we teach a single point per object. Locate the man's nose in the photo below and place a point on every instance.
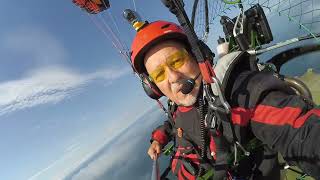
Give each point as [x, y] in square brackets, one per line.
[173, 75]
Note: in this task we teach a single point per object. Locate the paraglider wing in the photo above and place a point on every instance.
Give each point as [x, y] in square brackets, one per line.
[92, 6]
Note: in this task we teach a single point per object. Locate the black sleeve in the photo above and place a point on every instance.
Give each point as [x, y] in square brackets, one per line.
[290, 125]
[163, 134]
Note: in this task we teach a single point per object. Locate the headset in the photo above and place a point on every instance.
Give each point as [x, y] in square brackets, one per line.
[149, 87]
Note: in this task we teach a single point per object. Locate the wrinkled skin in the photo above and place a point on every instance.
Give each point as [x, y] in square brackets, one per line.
[171, 86]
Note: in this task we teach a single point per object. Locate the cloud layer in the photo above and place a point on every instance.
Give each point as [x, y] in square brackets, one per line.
[125, 156]
[49, 85]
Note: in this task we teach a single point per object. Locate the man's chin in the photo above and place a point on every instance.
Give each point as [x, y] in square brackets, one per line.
[187, 100]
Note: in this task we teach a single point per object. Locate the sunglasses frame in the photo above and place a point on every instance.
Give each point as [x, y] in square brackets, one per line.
[184, 54]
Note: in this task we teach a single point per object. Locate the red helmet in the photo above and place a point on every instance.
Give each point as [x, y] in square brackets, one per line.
[151, 34]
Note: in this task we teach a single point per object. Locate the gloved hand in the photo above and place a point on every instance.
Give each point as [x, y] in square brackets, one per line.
[154, 150]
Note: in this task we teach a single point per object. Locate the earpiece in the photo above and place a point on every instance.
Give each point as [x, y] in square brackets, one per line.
[150, 88]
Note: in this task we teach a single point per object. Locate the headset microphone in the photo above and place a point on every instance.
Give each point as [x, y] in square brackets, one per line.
[188, 84]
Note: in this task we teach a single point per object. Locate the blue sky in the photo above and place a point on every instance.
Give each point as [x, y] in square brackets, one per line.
[64, 90]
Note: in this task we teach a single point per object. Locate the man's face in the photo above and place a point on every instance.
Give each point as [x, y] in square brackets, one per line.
[160, 57]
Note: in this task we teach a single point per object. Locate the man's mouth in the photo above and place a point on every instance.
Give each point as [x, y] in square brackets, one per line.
[177, 88]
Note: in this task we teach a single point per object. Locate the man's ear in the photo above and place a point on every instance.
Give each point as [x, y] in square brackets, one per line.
[150, 88]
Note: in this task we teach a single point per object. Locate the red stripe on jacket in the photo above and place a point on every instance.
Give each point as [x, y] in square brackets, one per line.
[271, 115]
[281, 116]
[241, 116]
[186, 174]
[277, 116]
[160, 136]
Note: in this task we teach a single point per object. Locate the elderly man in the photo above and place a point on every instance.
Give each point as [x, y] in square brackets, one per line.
[262, 108]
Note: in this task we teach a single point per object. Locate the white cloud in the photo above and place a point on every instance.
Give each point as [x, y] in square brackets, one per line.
[48, 81]
[49, 85]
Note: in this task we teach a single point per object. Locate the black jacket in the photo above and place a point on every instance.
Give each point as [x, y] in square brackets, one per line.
[263, 107]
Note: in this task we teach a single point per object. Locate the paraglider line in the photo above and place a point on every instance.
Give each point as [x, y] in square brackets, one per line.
[108, 28]
[112, 33]
[114, 22]
[117, 28]
[120, 46]
[134, 5]
[124, 55]
[102, 30]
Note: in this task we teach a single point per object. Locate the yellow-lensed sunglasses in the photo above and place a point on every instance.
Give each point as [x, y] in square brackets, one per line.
[174, 61]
